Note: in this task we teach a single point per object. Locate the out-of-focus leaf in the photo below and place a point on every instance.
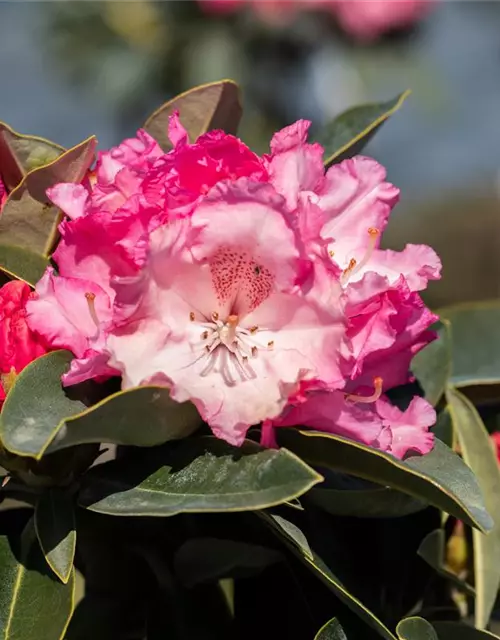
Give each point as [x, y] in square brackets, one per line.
[34, 604]
[319, 568]
[202, 560]
[381, 502]
[439, 478]
[443, 429]
[346, 136]
[55, 529]
[200, 475]
[458, 631]
[20, 154]
[38, 417]
[432, 550]
[216, 105]
[416, 629]
[432, 365]
[478, 453]
[28, 219]
[331, 631]
[475, 343]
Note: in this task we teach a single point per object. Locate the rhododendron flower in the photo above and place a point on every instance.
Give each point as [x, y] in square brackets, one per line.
[19, 345]
[368, 19]
[365, 20]
[3, 194]
[252, 286]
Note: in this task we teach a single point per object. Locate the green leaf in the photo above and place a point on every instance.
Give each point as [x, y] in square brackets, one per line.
[200, 475]
[202, 560]
[20, 154]
[457, 631]
[439, 478]
[432, 550]
[39, 418]
[331, 631]
[432, 365]
[443, 429]
[478, 453]
[216, 105]
[28, 220]
[380, 502]
[475, 339]
[416, 629]
[346, 136]
[318, 567]
[36, 405]
[22, 263]
[55, 529]
[33, 603]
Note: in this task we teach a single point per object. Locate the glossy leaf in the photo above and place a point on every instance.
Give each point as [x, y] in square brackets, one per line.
[318, 567]
[216, 105]
[458, 631]
[475, 339]
[380, 502]
[20, 154]
[478, 453]
[55, 529]
[331, 631]
[202, 560]
[443, 429]
[415, 628]
[432, 365]
[34, 604]
[200, 475]
[439, 478]
[432, 550]
[346, 136]
[28, 220]
[39, 417]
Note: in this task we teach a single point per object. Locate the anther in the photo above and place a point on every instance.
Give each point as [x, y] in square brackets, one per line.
[378, 384]
[191, 316]
[270, 344]
[204, 335]
[215, 316]
[93, 314]
[254, 351]
[254, 329]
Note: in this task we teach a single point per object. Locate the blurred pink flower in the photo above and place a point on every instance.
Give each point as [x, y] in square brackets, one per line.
[364, 20]
[249, 285]
[3, 194]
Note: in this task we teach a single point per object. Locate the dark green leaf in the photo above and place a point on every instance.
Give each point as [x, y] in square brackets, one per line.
[457, 631]
[20, 154]
[380, 502]
[202, 560]
[319, 568]
[475, 335]
[352, 130]
[443, 429]
[21, 263]
[28, 220]
[432, 550]
[439, 478]
[38, 417]
[478, 453]
[36, 405]
[416, 629]
[200, 475]
[33, 603]
[55, 528]
[331, 631]
[210, 106]
[432, 365]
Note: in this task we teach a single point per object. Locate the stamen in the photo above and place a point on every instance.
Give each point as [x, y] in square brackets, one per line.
[215, 316]
[191, 316]
[254, 352]
[354, 267]
[378, 384]
[204, 335]
[347, 272]
[232, 321]
[254, 329]
[331, 253]
[93, 314]
[270, 344]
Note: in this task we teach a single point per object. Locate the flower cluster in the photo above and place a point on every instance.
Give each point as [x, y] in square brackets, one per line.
[365, 20]
[255, 287]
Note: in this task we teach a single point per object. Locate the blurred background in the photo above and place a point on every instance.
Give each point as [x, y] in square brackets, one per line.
[72, 68]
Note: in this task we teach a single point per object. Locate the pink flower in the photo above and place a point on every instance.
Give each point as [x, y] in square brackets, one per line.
[3, 194]
[378, 424]
[495, 438]
[248, 285]
[368, 19]
[18, 344]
